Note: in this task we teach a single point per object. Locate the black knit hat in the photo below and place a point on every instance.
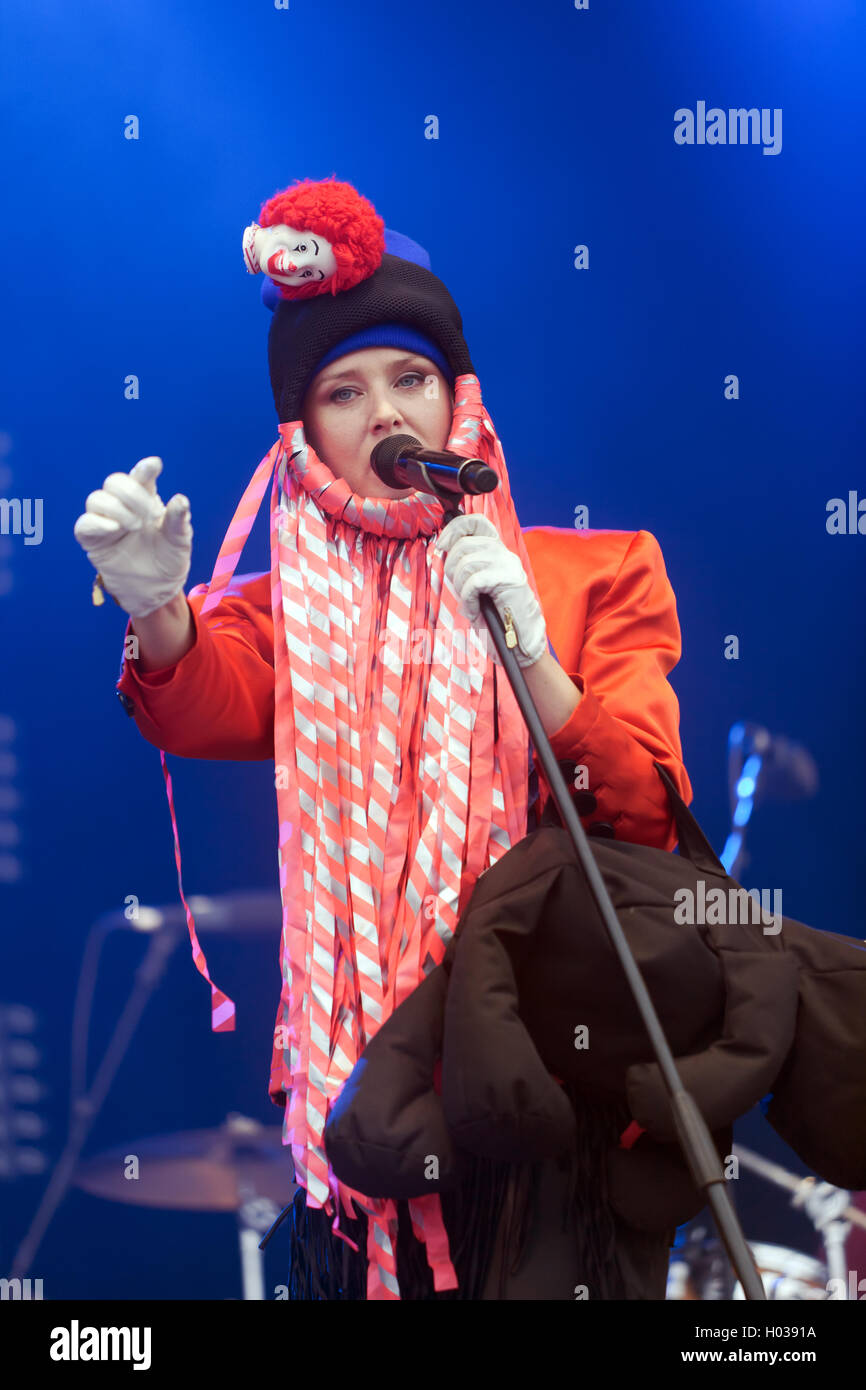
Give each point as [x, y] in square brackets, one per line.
[303, 330]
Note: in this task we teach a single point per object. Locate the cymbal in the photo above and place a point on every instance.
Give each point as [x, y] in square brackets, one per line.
[195, 1170]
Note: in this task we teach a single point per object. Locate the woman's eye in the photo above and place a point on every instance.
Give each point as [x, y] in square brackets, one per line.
[418, 376]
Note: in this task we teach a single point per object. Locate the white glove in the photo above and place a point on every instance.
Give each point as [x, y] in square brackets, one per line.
[141, 548]
[479, 561]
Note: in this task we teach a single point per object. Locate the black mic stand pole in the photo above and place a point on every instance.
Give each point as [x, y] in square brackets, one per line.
[694, 1136]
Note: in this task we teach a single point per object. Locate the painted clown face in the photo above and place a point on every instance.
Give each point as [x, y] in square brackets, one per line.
[288, 256]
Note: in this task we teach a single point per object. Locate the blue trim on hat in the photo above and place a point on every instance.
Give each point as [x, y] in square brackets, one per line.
[396, 335]
[396, 244]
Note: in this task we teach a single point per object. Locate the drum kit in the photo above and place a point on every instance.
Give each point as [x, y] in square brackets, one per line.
[699, 1269]
[240, 1167]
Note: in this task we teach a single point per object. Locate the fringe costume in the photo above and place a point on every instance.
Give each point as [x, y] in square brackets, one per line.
[398, 782]
[321, 1267]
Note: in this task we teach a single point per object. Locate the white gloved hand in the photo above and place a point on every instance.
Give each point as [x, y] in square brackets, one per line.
[478, 561]
[141, 548]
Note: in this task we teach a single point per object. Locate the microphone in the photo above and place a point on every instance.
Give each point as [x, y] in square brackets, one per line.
[402, 461]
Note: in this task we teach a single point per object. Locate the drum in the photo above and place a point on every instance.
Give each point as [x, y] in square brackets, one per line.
[700, 1272]
[681, 1282]
[787, 1274]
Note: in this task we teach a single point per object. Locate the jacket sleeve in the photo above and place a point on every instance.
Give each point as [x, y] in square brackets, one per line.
[218, 700]
[628, 714]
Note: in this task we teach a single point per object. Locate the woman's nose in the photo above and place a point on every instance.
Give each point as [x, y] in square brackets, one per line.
[387, 411]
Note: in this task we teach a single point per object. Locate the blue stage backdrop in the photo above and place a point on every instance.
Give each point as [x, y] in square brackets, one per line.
[664, 303]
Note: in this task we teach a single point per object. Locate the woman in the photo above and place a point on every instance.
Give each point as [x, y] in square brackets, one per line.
[403, 767]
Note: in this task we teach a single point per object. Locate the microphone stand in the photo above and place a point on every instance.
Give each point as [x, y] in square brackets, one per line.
[694, 1136]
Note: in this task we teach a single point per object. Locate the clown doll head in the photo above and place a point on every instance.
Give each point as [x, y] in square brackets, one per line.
[315, 237]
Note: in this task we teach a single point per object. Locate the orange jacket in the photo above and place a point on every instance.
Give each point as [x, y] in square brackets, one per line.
[611, 617]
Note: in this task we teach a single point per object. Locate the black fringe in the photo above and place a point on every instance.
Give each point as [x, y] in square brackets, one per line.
[587, 1208]
[324, 1267]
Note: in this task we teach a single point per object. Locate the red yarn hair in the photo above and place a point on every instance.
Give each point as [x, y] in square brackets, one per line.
[342, 215]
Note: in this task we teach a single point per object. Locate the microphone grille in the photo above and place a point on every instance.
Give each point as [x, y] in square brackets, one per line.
[386, 453]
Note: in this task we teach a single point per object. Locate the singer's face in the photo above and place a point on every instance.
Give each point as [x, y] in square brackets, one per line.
[366, 396]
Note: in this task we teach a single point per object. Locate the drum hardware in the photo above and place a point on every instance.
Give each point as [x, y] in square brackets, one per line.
[165, 927]
[241, 1167]
[828, 1208]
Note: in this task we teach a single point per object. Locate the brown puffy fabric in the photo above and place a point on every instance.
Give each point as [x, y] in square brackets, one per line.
[745, 1013]
[510, 1234]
